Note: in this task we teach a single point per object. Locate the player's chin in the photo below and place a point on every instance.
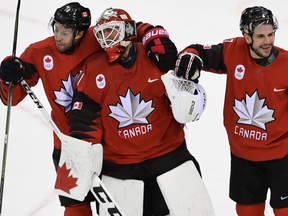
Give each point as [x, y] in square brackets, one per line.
[61, 49]
[266, 52]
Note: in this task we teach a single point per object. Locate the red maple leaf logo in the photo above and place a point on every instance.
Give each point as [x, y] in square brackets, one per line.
[240, 69]
[100, 79]
[48, 60]
[64, 182]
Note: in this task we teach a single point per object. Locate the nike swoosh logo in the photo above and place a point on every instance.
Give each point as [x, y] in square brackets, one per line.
[283, 198]
[277, 90]
[153, 80]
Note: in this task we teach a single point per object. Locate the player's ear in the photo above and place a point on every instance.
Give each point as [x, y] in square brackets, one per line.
[248, 39]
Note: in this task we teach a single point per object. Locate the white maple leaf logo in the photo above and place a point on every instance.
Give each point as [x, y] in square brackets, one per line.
[253, 112]
[64, 95]
[131, 110]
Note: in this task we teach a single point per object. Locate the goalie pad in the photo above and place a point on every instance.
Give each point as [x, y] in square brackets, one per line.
[184, 191]
[128, 194]
[79, 160]
[188, 99]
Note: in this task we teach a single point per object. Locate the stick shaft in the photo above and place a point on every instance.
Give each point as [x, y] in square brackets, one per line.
[9, 104]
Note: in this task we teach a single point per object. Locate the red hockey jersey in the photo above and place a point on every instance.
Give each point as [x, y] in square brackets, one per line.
[55, 71]
[256, 100]
[136, 116]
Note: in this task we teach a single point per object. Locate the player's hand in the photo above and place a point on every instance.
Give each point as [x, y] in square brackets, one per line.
[188, 66]
[12, 70]
[160, 49]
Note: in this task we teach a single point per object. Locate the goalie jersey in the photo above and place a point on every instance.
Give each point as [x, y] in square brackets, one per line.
[125, 109]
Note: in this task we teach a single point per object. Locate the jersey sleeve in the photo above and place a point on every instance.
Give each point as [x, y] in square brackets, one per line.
[85, 118]
[211, 55]
[142, 28]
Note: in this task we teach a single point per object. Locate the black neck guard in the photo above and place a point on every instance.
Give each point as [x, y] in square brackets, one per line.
[130, 60]
[267, 61]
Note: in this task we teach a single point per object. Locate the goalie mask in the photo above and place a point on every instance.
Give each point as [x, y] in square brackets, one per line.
[114, 31]
[188, 99]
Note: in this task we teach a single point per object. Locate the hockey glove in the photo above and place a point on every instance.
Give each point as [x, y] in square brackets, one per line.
[12, 70]
[188, 100]
[160, 49]
[188, 66]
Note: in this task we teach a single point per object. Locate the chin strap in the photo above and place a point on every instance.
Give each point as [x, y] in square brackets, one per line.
[251, 44]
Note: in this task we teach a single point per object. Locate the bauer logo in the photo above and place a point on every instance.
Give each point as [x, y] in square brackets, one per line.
[100, 81]
[239, 72]
[191, 107]
[48, 62]
[154, 34]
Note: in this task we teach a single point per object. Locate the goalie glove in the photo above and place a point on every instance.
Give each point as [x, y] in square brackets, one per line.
[188, 99]
[79, 161]
[188, 65]
[160, 49]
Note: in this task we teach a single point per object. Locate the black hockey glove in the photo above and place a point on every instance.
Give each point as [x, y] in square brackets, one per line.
[12, 70]
[160, 49]
[188, 66]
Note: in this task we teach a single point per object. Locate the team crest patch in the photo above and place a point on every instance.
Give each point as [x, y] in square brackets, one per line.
[100, 81]
[48, 62]
[239, 72]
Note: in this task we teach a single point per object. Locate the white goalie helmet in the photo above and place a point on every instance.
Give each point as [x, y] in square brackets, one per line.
[188, 99]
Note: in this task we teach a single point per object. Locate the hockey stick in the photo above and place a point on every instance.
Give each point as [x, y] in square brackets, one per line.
[97, 188]
[9, 104]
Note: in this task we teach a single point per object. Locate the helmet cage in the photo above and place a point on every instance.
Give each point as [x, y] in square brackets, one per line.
[115, 26]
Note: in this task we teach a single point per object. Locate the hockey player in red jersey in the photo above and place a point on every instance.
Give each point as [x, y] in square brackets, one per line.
[56, 60]
[52, 60]
[255, 109]
[120, 102]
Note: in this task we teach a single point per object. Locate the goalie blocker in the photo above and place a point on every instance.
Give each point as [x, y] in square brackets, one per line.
[188, 99]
